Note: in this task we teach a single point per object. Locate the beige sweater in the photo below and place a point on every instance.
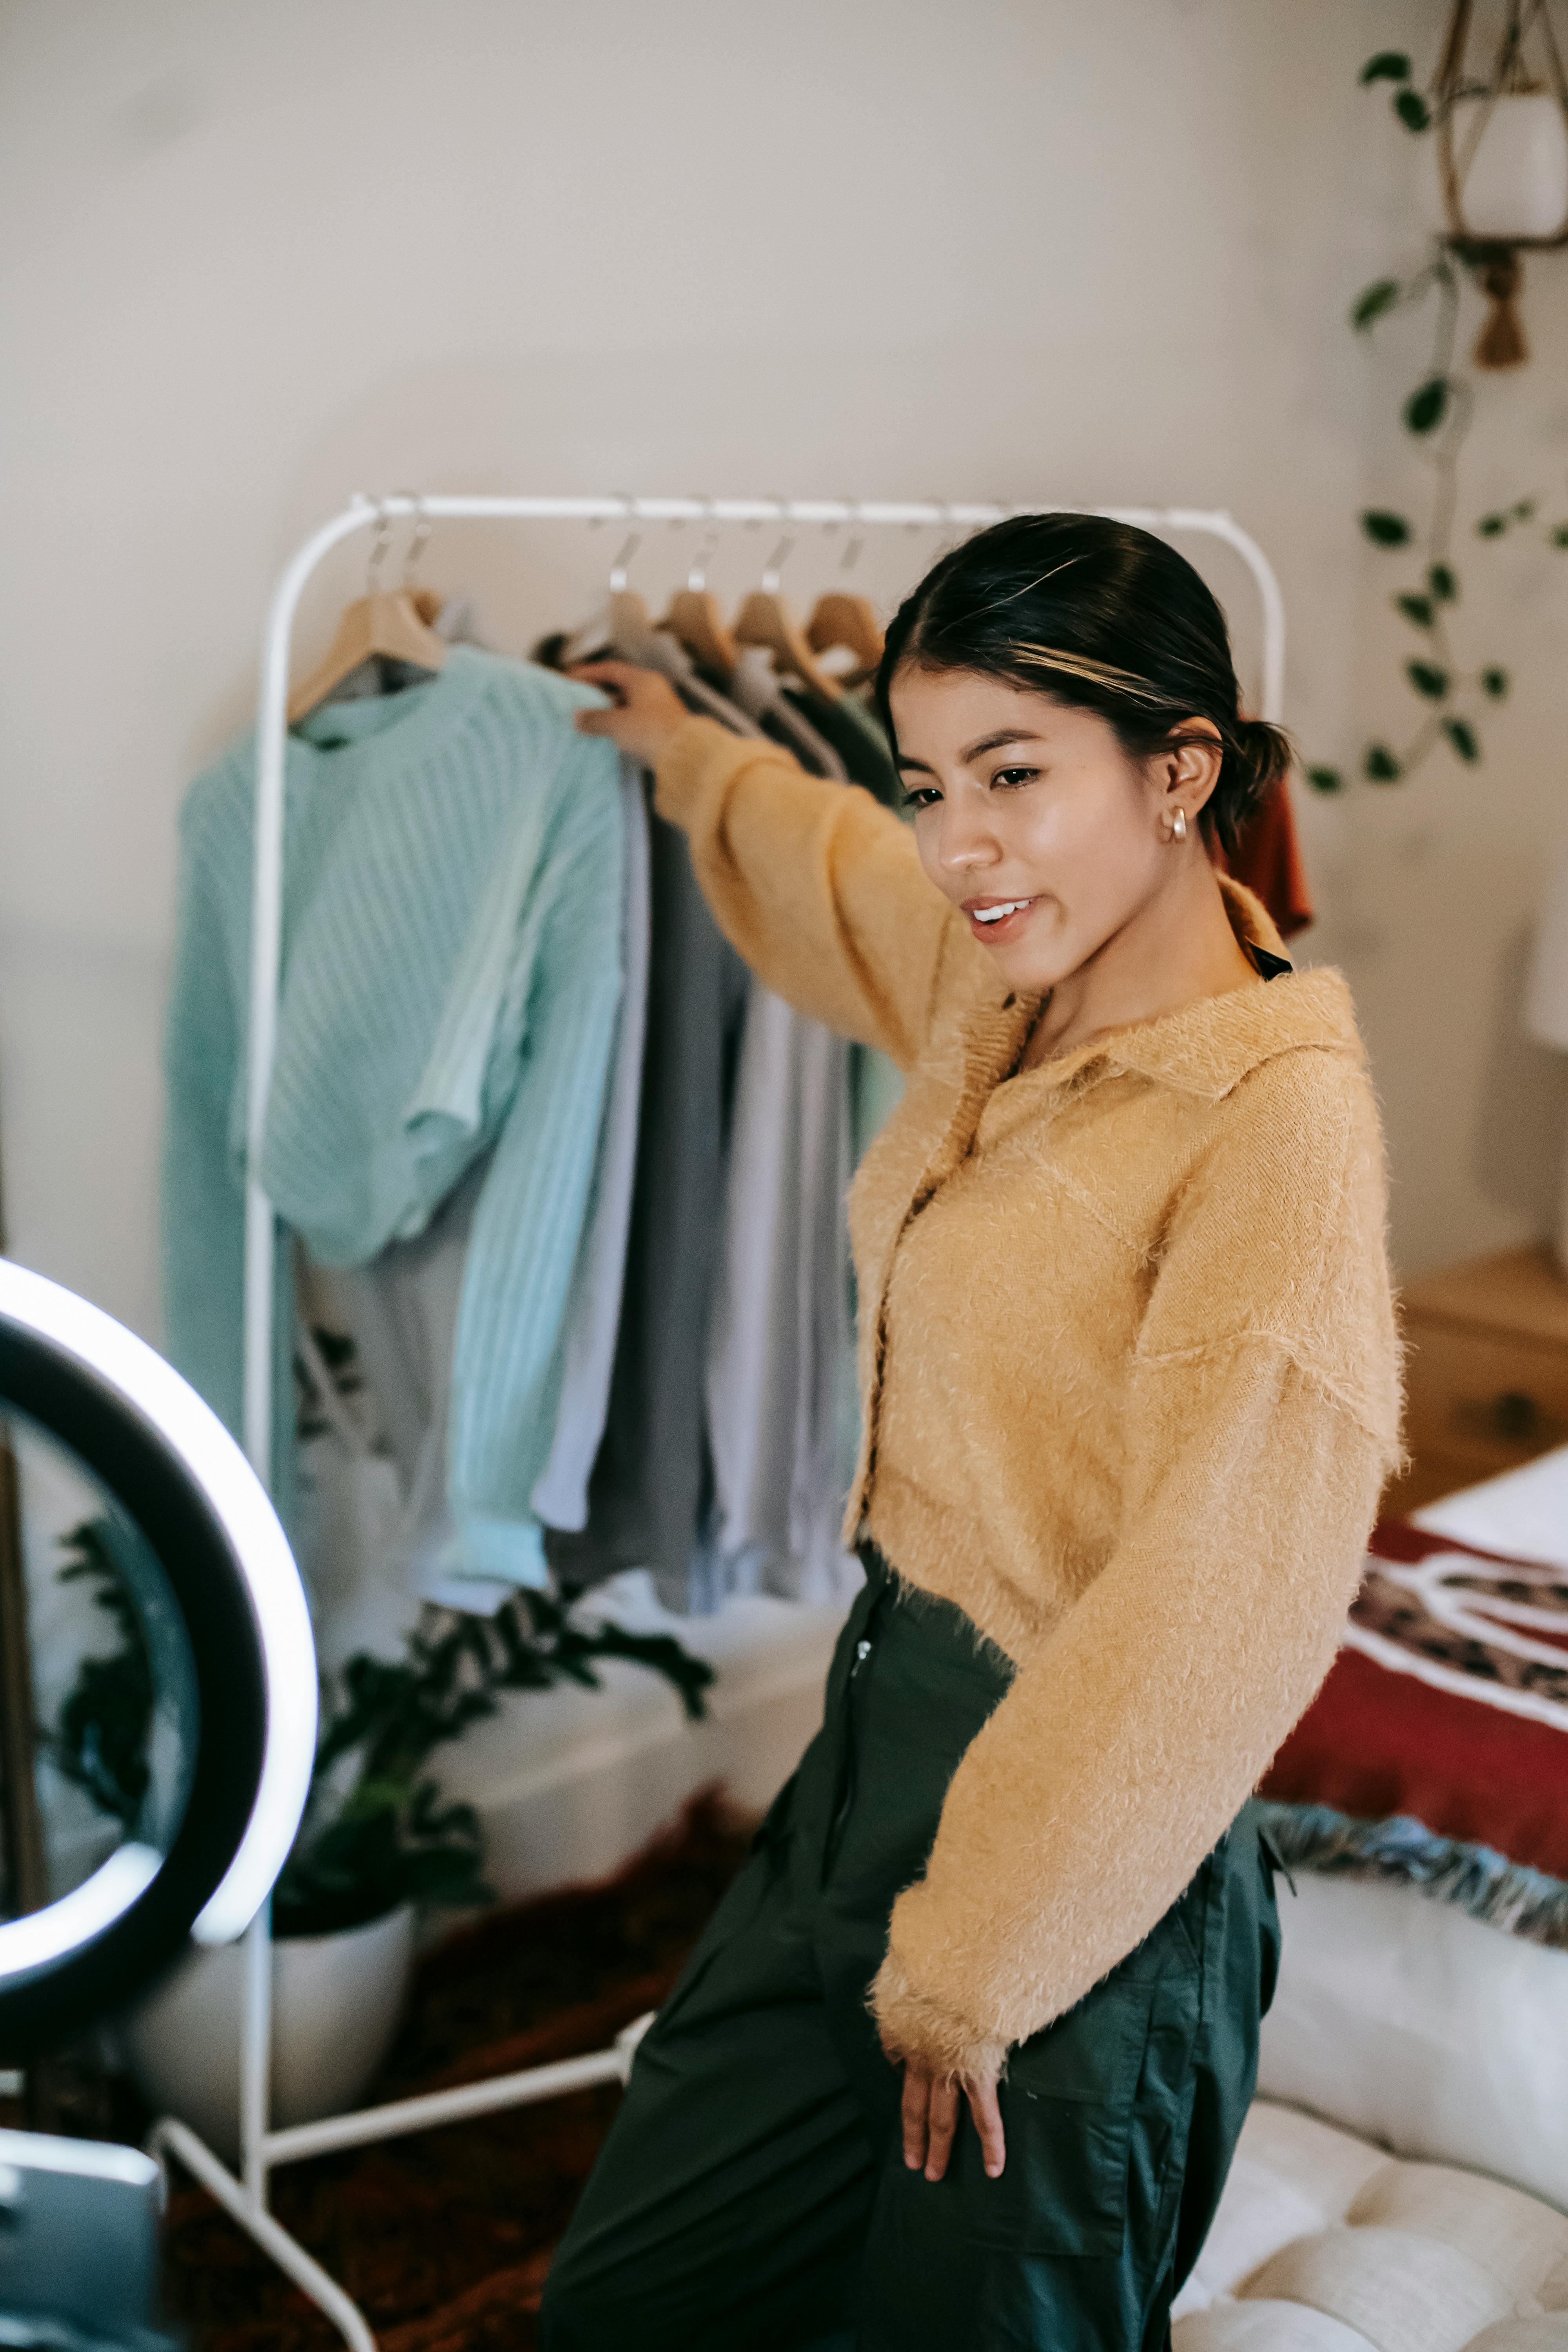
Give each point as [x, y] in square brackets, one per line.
[1128, 1374]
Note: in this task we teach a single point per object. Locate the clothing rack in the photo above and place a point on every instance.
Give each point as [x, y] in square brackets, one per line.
[262, 2149]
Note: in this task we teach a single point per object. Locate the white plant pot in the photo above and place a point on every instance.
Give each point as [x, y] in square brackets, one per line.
[1512, 159]
[336, 2000]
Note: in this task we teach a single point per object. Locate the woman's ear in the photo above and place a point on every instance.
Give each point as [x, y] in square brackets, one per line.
[1190, 769]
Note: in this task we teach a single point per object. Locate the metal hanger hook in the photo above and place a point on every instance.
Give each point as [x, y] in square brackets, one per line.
[379, 546]
[618, 568]
[772, 572]
[697, 577]
[421, 539]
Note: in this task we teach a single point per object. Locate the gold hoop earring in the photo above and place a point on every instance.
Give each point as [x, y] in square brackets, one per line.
[1179, 825]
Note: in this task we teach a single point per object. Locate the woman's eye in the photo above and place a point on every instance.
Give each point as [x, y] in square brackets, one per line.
[919, 796]
[1009, 777]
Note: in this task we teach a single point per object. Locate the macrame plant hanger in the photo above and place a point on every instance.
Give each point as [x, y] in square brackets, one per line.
[245, 2195]
[1465, 110]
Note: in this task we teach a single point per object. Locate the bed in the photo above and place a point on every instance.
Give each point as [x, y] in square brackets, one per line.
[1402, 2183]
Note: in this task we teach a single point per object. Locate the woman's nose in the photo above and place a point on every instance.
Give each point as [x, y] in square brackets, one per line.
[966, 841]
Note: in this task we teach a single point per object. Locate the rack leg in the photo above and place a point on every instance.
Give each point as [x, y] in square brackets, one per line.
[256, 2055]
[172, 2138]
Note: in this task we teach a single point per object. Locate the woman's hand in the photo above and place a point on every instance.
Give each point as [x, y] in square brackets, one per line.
[931, 2118]
[645, 710]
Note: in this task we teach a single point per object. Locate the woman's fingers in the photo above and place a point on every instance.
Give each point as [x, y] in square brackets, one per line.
[916, 2102]
[930, 2114]
[644, 714]
[942, 2122]
[987, 2114]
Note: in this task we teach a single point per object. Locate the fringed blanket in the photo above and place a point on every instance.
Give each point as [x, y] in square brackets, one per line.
[1435, 1752]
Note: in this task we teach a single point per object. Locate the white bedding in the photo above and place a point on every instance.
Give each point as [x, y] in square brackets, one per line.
[1523, 1513]
[1324, 2244]
[1398, 2016]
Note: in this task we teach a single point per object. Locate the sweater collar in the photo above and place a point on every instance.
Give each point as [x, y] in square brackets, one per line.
[1204, 1048]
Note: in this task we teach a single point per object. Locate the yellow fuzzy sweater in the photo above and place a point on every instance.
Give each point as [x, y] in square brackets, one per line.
[1129, 1373]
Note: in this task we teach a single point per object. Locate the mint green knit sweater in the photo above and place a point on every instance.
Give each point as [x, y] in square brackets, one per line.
[451, 980]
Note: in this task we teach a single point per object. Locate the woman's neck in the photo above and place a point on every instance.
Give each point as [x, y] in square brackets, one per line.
[1179, 947]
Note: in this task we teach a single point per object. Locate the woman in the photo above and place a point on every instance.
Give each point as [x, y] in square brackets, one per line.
[962, 2059]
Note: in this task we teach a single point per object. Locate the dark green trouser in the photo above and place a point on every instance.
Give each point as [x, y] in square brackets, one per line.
[752, 2192]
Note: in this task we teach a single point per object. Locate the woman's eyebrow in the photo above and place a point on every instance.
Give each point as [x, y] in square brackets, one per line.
[986, 743]
[995, 742]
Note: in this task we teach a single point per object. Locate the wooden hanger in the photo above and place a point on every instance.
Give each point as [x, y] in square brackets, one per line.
[386, 623]
[840, 619]
[695, 621]
[767, 620]
[695, 618]
[621, 619]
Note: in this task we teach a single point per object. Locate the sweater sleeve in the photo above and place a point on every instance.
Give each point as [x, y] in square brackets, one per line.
[819, 888]
[508, 1360]
[202, 1193]
[1257, 1443]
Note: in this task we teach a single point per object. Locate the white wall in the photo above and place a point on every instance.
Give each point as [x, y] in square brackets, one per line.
[259, 257]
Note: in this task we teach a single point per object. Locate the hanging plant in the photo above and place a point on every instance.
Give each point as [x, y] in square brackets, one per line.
[1438, 408]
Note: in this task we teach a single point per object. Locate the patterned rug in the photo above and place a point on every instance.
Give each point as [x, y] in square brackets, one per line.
[444, 2240]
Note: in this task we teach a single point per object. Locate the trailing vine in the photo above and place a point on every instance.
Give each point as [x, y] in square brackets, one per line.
[1436, 414]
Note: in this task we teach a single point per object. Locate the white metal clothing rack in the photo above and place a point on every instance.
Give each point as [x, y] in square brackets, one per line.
[262, 2149]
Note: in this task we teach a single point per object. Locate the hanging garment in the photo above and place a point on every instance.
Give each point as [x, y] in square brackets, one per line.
[757, 686]
[1267, 860]
[855, 733]
[647, 1494]
[593, 1309]
[780, 1374]
[781, 1347]
[451, 978]
[352, 1506]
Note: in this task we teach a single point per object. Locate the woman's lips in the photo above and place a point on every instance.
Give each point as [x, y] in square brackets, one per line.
[995, 920]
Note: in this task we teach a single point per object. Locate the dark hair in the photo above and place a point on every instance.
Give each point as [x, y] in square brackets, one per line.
[1106, 618]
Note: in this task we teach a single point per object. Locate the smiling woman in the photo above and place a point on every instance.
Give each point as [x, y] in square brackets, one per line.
[1062, 692]
[962, 2060]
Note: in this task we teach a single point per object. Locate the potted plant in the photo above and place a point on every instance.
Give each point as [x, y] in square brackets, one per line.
[376, 1846]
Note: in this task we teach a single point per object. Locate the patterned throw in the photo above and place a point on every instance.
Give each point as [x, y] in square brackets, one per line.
[1434, 1752]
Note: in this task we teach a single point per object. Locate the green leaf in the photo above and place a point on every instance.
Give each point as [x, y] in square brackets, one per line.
[1495, 682]
[1325, 780]
[1523, 509]
[1411, 110]
[1418, 609]
[1380, 764]
[1383, 528]
[1443, 584]
[1376, 298]
[1426, 406]
[1462, 736]
[1389, 65]
[1560, 536]
[1428, 679]
[1491, 526]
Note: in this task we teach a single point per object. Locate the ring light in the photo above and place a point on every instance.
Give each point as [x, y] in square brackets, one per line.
[175, 1474]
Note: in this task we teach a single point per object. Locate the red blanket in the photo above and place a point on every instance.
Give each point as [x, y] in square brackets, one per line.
[1447, 1703]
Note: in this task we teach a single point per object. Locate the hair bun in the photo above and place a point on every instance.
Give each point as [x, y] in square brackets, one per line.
[1263, 754]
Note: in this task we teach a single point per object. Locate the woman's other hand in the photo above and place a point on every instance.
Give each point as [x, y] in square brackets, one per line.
[930, 2119]
[645, 710]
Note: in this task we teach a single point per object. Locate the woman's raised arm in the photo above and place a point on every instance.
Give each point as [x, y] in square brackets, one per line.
[816, 885]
